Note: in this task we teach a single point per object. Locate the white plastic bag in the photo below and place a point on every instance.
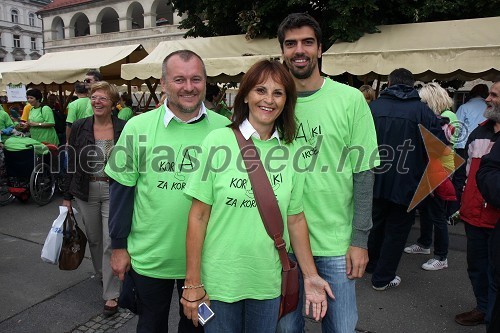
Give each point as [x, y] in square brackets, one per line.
[52, 246]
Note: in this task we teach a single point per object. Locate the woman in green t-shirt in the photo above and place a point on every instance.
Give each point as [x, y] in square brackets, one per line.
[125, 112]
[41, 119]
[231, 262]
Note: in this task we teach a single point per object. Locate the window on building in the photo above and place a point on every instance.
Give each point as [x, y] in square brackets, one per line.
[1, 59]
[14, 16]
[17, 41]
[33, 43]
[32, 19]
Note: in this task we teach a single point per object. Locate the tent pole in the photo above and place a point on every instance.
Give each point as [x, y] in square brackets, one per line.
[129, 88]
[152, 95]
[377, 90]
[350, 79]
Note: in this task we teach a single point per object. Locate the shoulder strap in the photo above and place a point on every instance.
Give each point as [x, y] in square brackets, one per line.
[264, 196]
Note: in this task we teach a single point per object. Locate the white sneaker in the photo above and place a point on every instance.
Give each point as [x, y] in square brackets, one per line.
[393, 284]
[417, 249]
[435, 264]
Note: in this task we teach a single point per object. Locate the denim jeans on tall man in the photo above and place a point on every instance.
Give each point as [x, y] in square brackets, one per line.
[342, 313]
[248, 315]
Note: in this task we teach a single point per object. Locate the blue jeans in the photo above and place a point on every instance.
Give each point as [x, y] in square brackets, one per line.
[342, 313]
[248, 315]
[480, 267]
[433, 216]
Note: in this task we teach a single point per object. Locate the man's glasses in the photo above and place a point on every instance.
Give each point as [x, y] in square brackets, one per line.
[87, 81]
[99, 99]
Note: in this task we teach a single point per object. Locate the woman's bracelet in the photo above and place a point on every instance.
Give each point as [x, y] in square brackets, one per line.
[196, 300]
[193, 287]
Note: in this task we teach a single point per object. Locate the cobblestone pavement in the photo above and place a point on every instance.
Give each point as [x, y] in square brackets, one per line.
[100, 324]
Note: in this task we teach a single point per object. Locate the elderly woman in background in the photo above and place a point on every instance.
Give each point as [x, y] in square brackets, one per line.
[368, 92]
[90, 144]
[433, 208]
[228, 251]
[41, 119]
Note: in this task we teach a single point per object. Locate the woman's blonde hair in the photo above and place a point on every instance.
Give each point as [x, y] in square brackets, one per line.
[436, 97]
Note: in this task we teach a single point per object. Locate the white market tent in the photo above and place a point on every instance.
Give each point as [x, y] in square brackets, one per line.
[71, 66]
[12, 66]
[225, 57]
[461, 49]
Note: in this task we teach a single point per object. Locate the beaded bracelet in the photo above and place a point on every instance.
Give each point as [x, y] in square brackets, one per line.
[193, 287]
[196, 300]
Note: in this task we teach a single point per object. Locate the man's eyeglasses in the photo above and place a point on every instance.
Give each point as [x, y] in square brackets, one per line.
[87, 81]
[99, 99]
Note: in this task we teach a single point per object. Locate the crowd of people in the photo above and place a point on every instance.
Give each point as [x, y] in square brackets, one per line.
[168, 206]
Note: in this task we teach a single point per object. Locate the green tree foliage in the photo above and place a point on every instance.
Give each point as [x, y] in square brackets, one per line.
[344, 20]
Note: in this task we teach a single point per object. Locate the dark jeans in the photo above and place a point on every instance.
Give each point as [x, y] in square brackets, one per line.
[479, 267]
[495, 315]
[391, 226]
[155, 296]
[433, 216]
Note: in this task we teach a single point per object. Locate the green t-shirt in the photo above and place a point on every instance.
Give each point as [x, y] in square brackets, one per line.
[43, 134]
[449, 160]
[337, 121]
[5, 122]
[78, 109]
[125, 113]
[239, 259]
[157, 160]
[19, 143]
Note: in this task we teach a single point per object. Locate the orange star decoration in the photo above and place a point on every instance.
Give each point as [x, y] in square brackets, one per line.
[436, 172]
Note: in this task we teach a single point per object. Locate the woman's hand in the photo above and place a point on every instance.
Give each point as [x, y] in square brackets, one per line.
[191, 299]
[316, 290]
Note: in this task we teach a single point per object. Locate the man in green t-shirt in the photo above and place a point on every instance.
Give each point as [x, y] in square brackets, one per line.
[336, 120]
[81, 108]
[149, 167]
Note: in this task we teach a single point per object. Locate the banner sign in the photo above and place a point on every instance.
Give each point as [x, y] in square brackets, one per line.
[16, 93]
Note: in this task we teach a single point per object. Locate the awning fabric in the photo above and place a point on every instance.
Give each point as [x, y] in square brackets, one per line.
[12, 66]
[71, 66]
[229, 55]
[461, 49]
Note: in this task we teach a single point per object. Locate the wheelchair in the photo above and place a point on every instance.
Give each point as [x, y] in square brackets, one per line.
[30, 175]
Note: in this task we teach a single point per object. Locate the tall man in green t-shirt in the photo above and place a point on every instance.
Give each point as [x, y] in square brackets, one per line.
[335, 119]
[150, 165]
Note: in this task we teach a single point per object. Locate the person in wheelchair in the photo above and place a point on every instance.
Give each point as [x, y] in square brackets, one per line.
[28, 171]
[90, 143]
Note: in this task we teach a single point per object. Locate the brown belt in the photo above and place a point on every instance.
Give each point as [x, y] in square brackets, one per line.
[99, 179]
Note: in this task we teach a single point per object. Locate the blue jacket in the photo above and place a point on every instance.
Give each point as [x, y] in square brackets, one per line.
[397, 113]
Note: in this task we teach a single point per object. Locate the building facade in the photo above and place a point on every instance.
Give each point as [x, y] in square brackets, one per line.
[76, 24]
[21, 30]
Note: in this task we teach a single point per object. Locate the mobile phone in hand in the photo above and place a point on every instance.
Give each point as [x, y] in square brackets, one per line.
[204, 313]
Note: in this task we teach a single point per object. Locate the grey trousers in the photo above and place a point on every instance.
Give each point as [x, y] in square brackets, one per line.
[95, 213]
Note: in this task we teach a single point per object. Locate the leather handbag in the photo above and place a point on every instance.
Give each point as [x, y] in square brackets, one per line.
[273, 221]
[73, 246]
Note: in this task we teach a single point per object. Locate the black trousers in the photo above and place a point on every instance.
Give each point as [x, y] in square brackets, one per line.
[391, 226]
[155, 296]
[495, 316]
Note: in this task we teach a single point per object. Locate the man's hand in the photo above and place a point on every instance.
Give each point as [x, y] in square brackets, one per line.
[120, 262]
[356, 260]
